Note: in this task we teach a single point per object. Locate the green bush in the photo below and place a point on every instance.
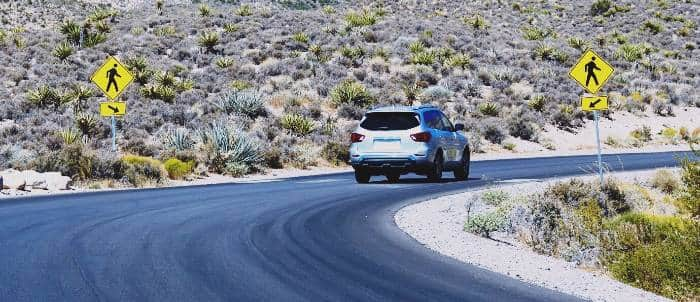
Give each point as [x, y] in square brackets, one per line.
[142, 171]
[178, 169]
[244, 10]
[599, 7]
[665, 181]
[477, 22]
[62, 51]
[351, 92]
[689, 200]
[495, 197]
[297, 124]
[230, 150]
[243, 102]
[642, 134]
[208, 40]
[484, 224]
[336, 153]
[489, 109]
[301, 37]
[423, 58]
[364, 18]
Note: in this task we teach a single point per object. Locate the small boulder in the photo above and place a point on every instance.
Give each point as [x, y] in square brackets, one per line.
[55, 181]
[12, 179]
[35, 180]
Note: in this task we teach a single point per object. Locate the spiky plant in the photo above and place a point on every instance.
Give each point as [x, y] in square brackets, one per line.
[93, 39]
[477, 22]
[165, 31]
[297, 124]
[243, 102]
[102, 14]
[184, 85]
[423, 58]
[543, 51]
[208, 40]
[62, 51]
[244, 10]
[86, 123]
[489, 109]
[224, 62]
[328, 10]
[411, 91]
[351, 92]
[44, 96]
[204, 10]
[78, 95]
[458, 61]
[102, 26]
[159, 92]
[165, 78]
[240, 85]
[533, 33]
[301, 37]
[537, 102]
[3, 36]
[69, 136]
[138, 66]
[364, 18]
[416, 47]
[71, 30]
[353, 53]
[578, 43]
[19, 41]
[230, 27]
[178, 139]
[230, 150]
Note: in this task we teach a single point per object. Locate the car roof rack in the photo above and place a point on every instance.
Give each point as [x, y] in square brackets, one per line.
[427, 106]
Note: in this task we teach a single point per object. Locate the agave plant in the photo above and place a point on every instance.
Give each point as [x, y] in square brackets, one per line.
[244, 10]
[244, 102]
[45, 96]
[208, 40]
[351, 92]
[458, 61]
[489, 109]
[139, 68]
[301, 37]
[86, 123]
[92, 39]
[178, 139]
[297, 124]
[72, 31]
[224, 62]
[69, 136]
[229, 149]
[62, 51]
[204, 10]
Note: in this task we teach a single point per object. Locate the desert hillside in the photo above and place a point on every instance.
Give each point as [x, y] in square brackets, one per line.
[235, 87]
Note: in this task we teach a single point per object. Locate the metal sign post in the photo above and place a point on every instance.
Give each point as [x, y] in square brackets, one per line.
[114, 134]
[112, 78]
[596, 116]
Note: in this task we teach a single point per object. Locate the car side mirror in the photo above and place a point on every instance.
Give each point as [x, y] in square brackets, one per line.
[459, 127]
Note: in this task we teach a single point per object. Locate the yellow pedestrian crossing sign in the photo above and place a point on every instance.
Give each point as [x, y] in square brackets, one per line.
[591, 71]
[112, 77]
[594, 103]
[108, 109]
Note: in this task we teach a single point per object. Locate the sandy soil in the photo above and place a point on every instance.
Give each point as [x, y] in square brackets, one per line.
[438, 224]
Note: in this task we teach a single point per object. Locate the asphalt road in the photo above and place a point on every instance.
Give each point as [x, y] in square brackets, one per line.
[321, 238]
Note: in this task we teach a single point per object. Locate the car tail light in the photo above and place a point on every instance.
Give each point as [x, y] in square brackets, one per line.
[356, 137]
[421, 137]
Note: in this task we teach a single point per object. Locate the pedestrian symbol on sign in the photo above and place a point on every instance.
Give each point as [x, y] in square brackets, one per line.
[591, 71]
[112, 77]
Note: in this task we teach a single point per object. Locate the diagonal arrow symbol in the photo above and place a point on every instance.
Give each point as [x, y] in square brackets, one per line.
[115, 109]
[592, 105]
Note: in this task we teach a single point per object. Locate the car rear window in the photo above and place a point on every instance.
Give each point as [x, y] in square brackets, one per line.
[390, 121]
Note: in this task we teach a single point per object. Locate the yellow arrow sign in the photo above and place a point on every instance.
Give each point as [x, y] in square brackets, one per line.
[591, 71]
[592, 103]
[108, 109]
[112, 78]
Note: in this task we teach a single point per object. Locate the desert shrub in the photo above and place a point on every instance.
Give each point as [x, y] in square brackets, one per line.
[351, 112]
[510, 146]
[297, 124]
[303, 155]
[224, 62]
[87, 123]
[477, 22]
[159, 92]
[45, 96]
[495, 197]
[665, 181]
[138, 66]
[93, 39]
[204, 10]
[462, 61]
[301, 37]
[537, 102]
[563, 116]
[534, 33]
[229, 150]
[244, 10]
[411, 91]
[642, 134]
[489, 109]
[178, 140]
[69, 136]
[652, 26]
[244, 102]
[360, 19]
[107, 165]
[599, 7]
[75, 160]
[662, 107]
[71, 30]
[62, 51]
[632, 52]
[208, 40]
[436, 93]
[142, 171]
[578, 43]
[689, 200]
[523, 124]
[178, 169]
[336, 153]
[351, 92]
[423, 58]
[492, 130]
[484, 224]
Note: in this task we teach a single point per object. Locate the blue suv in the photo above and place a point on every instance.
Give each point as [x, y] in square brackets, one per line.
[393, 141]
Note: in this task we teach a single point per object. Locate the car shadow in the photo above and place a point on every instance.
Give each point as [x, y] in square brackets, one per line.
[418, 181]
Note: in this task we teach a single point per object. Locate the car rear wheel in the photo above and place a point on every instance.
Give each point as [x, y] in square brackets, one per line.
[362, 176]
[462, 172]
[435, 173]
[393, 177]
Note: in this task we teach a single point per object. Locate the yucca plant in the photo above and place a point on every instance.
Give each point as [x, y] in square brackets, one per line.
[208, 40]
[230, 150]
[165, 78]
[533, 33]
[630, 52]
[92, 39]
[184, 85]
[69, 136]
[364, 18]
[477, 22]
[297, 124]
[138, 66]
[244, 10]
[423, 58]
[101, 14]
[159, 6]
[62, 51]
[160, 92]
[458, 61]
[537, 102]
[19, 41]
[3, 36]
[351, 92]
[353, 53]
[230, 27]
[416, 47]
[102, 26]
[44, 96]
[411, 91]
[204, 10]
[489, 109]
[78, 95]
[178, 139]
[578, 43]
[86, 123]
[328, 10]
[543, 51]
[167, 30]
[243, 102]
[301, 37]
[72, 31]
[224, 62]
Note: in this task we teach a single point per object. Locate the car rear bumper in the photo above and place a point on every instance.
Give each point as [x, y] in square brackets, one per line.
[383, 163]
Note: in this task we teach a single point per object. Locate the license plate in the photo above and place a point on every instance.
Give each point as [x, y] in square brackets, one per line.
[387, 145]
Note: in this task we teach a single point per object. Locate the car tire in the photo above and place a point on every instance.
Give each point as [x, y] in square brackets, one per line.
[462, 172]
[393, 177]
[362, 176]
[435, 173]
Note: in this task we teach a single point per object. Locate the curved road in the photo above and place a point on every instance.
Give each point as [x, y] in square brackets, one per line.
[320, 238]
